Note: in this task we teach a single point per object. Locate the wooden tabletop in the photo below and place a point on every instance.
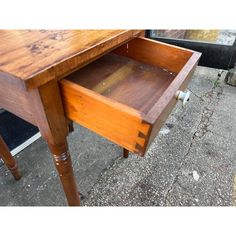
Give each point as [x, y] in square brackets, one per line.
[31, 58]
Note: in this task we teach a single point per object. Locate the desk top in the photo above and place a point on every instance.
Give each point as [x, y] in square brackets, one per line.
[33, 57]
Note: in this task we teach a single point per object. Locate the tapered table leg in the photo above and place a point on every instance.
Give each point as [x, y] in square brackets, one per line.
[9, 160]
[63, 165]
[49, 116]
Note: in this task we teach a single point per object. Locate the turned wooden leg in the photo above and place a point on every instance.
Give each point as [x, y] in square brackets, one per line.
[9, 160]
[125, 153]
[49, 115]
[63, 165]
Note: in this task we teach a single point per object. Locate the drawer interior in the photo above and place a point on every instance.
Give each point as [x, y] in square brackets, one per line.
[125, 80]
[127, 94]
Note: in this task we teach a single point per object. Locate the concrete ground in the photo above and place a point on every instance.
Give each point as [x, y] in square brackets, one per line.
[192, 161]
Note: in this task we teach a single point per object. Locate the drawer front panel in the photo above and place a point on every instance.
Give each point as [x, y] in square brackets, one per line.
[168, 107]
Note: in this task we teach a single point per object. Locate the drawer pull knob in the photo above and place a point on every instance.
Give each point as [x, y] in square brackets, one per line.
[183, 96]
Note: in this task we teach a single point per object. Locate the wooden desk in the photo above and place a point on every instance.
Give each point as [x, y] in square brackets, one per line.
[31, 63]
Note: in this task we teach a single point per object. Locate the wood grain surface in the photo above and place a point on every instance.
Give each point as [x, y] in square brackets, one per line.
[117, 122]
[127, 94]
[125, 80]
[38, 56]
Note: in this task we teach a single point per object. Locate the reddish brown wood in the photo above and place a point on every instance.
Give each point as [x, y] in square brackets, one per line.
[38, 56]
[164, 106]
[54, 128]
[129, 108]
[125, 80]
[35, 60]
[125, 153]
[115, 121]
[126, 100]
[62, 160]
[8, 159]
[156, 53]
[14, 99]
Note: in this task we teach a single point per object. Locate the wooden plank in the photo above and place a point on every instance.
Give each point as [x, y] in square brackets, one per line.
[114, 78]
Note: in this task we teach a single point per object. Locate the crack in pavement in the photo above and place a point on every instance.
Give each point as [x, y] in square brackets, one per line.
[202, 127]
[175, 179]
[196, 95]
[209, 101]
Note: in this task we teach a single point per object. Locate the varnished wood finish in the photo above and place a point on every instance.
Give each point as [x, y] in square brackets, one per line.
[47, 107]
[115, 121]
[169, 57]
[14, 99]
[9, 160]
[124, 80]
[160, 112]
[38, 56]
[127, 113]
[127, 100]
[31, 63]
[63, 164]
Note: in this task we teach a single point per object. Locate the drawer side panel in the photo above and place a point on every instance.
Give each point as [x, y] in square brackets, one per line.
[156, 53]
[113, 121]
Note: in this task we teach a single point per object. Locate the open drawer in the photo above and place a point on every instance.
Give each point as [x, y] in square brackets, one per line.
[127, 94]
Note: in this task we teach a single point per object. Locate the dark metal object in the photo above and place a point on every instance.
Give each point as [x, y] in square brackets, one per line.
[213, 55]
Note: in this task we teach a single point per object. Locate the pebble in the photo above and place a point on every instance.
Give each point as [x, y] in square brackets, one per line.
[195, 175]
[164, 131]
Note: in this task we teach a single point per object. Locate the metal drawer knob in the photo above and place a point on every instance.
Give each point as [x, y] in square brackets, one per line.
[183, 96]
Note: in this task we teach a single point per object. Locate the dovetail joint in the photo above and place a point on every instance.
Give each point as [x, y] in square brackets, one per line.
[141, 135]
